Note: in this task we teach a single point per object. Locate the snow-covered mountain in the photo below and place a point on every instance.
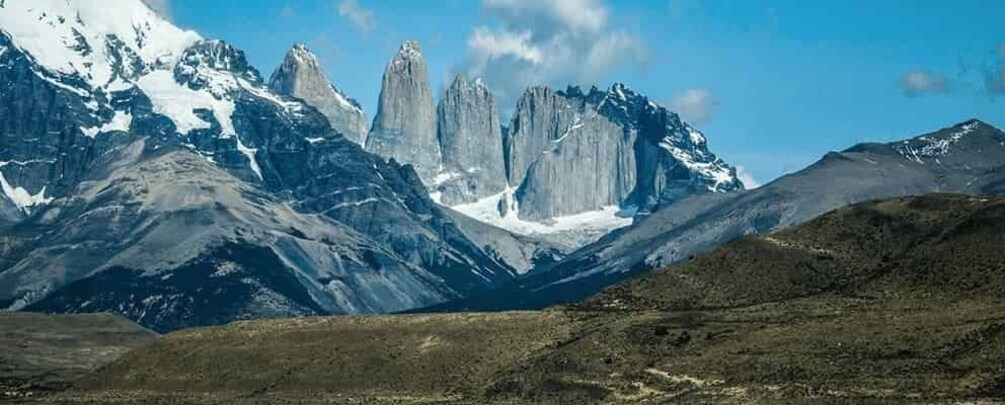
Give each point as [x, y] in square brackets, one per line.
[581, 164]
[118, 131]
[967, 158]
[301, 76]
[570, 166]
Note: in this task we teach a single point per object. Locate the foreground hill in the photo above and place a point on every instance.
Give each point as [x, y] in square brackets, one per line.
[891, 301]
[40, 353]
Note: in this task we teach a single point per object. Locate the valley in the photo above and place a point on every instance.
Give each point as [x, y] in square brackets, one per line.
[841, 309]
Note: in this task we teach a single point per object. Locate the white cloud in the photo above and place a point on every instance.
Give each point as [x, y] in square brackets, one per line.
[578, 15]
[549, 42]
[488, 45]
[749, 182]
[162, 7]
[288, 11]
[360, 17]
[694, 105]
[918, 83]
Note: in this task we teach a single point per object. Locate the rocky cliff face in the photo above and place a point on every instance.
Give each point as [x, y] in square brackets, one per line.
[966, 158]
[81, 84]
[569, 152]
[405, 125]
[301, 76]
[470, 138]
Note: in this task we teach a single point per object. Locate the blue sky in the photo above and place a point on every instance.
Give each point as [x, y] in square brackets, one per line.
[774, 84]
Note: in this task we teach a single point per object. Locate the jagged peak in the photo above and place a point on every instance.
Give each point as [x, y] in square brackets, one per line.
[300, 54]
[621, 91]
[55, 32]
[461, 82]
[410, 50]
[975, 123]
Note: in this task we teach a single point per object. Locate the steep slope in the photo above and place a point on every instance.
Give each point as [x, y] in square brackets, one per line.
[114, 246]
[937, 247]
[301, 76]
[405, 125]
[966, 158]
[470, 143]
[570, 152]
[580, 165]
[521, 252]
[895, 301]
[81, 80]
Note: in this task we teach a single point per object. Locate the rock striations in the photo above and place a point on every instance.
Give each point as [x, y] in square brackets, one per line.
[405, 125]
[148, 171]
[301, 76]
[583, 159]
[569, 152]
[470, 142]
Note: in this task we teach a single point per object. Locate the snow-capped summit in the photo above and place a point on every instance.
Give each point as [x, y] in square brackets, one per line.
[301, 76]
[408, 50]
[99, 41]
[588, 161]
[150, 162]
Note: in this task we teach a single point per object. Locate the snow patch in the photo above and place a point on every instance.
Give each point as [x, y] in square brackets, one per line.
[70, 37]
[178, 103]
[120, 122]
[718, 173]
[931, 147]
[487, 210]
[21, 198]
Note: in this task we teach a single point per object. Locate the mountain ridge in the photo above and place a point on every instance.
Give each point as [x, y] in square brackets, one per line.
[972, 165]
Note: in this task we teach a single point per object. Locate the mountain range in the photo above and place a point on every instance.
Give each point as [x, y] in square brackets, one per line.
[890, 301]
[966, 158]
[154, 173]
[138, 152]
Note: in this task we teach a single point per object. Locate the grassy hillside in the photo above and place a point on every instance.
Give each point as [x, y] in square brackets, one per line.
[43, 353]
[895, 301]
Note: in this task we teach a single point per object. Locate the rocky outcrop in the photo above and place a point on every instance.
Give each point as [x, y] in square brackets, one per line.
[229, 167]
[568, 152]
[405, 125]
[301, 76]
[470, 138]
[966, 158]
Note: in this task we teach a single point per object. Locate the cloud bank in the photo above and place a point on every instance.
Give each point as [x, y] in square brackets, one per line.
[694, 105]
[547, 42]
[749, 182]
[360, 17]
[918, 83]
[161, 7]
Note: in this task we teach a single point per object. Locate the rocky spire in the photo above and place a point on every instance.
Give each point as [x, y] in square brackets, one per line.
[471, 143]
[571, 151]
[405, 125]
[301, 76]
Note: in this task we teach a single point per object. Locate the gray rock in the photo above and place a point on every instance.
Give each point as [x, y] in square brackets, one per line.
[301, 76]
[228, 172]
[571, 152]
[521, 252]
[255, 254]
[470, 138]
[968, 158]
[405, 125]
